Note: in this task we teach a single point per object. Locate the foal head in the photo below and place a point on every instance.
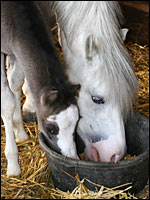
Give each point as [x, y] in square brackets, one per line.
[59, 116]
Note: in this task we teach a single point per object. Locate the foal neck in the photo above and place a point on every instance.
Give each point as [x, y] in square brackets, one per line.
[34, 49]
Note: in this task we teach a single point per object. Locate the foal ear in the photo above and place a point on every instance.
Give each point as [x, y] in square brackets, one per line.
[49, 97]
[75, 89]
[90, 48]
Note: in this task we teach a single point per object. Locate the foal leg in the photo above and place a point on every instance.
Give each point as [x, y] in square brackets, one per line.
[7, 111]
[29, 111]
[16, 79]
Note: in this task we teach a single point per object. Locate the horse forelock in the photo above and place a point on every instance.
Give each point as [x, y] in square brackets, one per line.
[102, 19]
[99, 17]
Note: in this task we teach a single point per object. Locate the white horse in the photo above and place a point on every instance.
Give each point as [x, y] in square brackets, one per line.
[93, 49]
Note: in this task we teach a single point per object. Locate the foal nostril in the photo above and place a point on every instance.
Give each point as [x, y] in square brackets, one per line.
[51, 129]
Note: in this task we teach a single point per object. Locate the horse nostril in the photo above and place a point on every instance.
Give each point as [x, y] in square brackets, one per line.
[115, 158]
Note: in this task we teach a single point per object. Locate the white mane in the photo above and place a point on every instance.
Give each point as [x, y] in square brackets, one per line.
[101, 19]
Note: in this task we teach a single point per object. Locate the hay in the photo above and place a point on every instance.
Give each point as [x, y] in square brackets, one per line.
[126, 157]
[34, 182]
[140, 57]
[82, 192]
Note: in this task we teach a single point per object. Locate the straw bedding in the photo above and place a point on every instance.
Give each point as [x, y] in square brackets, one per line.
[34, 182]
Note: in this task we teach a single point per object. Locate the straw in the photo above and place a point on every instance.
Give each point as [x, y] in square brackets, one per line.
[34, 182]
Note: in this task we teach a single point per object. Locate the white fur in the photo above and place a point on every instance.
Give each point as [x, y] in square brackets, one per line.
[11, 112]
[8, 105]
[108, 72]
[111, 62]
[15, 78]
[28, 106]
[102, 122]
[66, 121]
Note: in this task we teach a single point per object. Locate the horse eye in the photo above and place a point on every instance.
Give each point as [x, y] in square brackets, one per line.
[51, 129]
[98, 100]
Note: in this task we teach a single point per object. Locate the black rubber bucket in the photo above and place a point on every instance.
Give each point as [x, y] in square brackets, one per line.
[134, 170]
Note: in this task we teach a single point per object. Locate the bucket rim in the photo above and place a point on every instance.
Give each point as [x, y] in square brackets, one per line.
[70, 162]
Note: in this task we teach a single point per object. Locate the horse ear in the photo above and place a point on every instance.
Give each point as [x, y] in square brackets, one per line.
[124, 32]
[90, 47]
[49, 97]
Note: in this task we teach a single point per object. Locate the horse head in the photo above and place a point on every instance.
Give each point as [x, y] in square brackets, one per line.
[105, 98]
